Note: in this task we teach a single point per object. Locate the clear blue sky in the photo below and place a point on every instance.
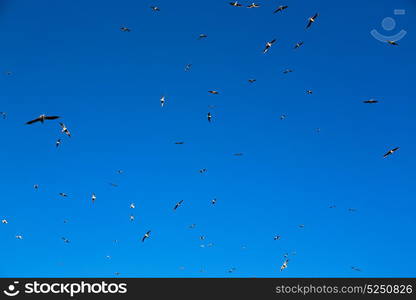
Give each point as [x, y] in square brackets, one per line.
[69, 58]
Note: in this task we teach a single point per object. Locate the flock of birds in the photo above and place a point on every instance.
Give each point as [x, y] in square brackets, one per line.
[147, 235]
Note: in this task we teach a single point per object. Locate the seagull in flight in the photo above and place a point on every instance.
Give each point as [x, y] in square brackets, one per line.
[280, 8]
[113, 184]
[120, 171]
[188, 67]
[268, 45]
[287, 71]
[252, 80]
[391, 152]
[284, 265]
[298, 45]
[277, 237]
[162, 101]
[125, 29]
[356, 269]
[42, 119]
[155, 8]
[309, 92]
[282, 117]
[65, 129]
[209, 117]
[131, 218]
[192, 226]
[36, 187]
[19, 237]
[213, 92]
[253, 5]
[4, 221]
[63, 194]
[393, 43]
[311, 20]
[132, 205]
[93, 197]
[65, 240]
[179, 143]
[58, 142]
[202, 170]
[146, 235]
[214, 201]
[177, 205]
[203, 36]
[370, 101]
[236, 4]
[238, 154]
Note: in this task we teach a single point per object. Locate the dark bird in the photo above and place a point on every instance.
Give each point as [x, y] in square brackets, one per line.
[356, 269]
[277, 237]
[120, 171]
[213, 92]
[209, 117]
[113, 184]
[298, 45]
[93, 197]
[58, 142]
[282, 117]
[393, 43]
[3, 114]
[301, 226]
[309, 92]
[391, 152]
[36, 187]
[146, 236]
[352, 210]
[253, 5]
[238, 154]
[236, 4]
[287, 71]
[65, 129]
[155, 8]
[232, 270]
[252, 80]
[42, 119]
[268, 45]
[203, 171]
[125, 29]
[280, 8]
[214, 201]
[179, 143]
[203, 36]
[63, 194]
[162, 101]
[311, 20]
[177, 205]
[131, 218]
[370, 101]
[332, 206]
[65, 240]
[192, 226]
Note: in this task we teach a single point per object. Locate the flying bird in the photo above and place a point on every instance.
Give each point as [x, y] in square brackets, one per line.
[236, 4]
[65, 129]
[63, 194]
[65, 240]
[280, 8]
[42, 119]
[287, 71]
[214, 201]
[391, 152]
[311, 20]
[282, 117]
[352, 210]
[132, 205]
[177, 205]
[301, 226]
[155, 8]
[203, 36]
[19, 237]
[209, 117]
[3, 115]
[298, 45]
[188, 67]
[393, 43]
[356, 269]
[252, 80]
[268, 45]
[93, 197]
[309, 92]
[213, 92]
[238, 154]
[370, 101]
[125, 29]
[179, 143]
[202, 170]
[36, 186]
[162, 101]
[4, 221]
[120, 171]
[284, 265]
[131, 218]
[277, 237]
[58, 142]
[113, 184]
[146, 236]
[253, 5]
[192, 226]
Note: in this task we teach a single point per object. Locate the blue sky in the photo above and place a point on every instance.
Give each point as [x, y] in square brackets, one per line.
[69, 58]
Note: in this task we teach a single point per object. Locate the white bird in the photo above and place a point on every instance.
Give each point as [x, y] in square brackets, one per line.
[93, 197]
[132, 205]
[162, 101]
[214, 201]
[65, 129]
[284, 266]
[4, 221]
[19, 237]
[131, 218]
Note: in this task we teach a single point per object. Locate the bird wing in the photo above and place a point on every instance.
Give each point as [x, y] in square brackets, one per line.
[51, 117]
[33, 121]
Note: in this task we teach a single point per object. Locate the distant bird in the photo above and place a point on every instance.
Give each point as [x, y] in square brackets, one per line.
[3, 115]
[120, 171]
[370, 101]
[8, 73]
[155, 8]
[213, 92]
[131, 218]
[253, 5]
[117, 273]
[268, 45]
[356, 269]
[277, 237]
[309, 92]
[162, 101]
[4, 221]
[65, 221]
[284, 265]
[209, 117]
[202, 237]
[113, 184]
[58, 142]
[391, 152]
[192, 226]
[352, 210]
[125, 29]
[132, 205]
[332, 206]
[188, 67]
[36, 187]
[287, 71]
[108, 256]
[19, 237]
[311, 20]
[252, 80]
[42, 119]
[65, 129]
[202, 170]
[179, 143]
[238, 154]
[63, 194]
[214, 201]
[232, 270]
[393, 43]
[318, 130]
[280, 8]
[93, 197]
[236, 4]
[202, 36]
[301, 226]
[177, 205]
[65, 240]
[282, 117]
[298, 45]
[146, 236]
